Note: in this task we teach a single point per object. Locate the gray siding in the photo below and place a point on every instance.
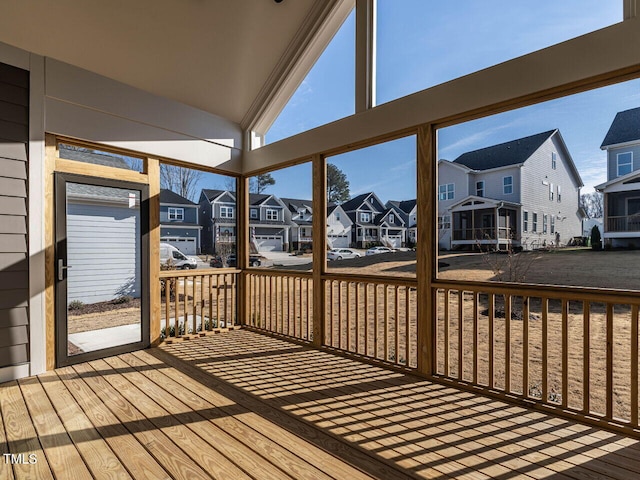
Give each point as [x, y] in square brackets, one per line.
[14, 272]
[190, 214]
[535, 195]
[612, 159]
[448, 173]
[493, 184]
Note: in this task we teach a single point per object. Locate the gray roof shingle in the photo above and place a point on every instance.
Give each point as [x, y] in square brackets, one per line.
[167, 196]
[509, 153]
[625, 128]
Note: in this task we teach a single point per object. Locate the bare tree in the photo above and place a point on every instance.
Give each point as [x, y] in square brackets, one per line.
[180, 180]
[230, 184]
[593, 204]
[259, 183]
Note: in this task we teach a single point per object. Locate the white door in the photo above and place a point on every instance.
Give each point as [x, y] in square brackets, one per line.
[269, 243]
[185, 245]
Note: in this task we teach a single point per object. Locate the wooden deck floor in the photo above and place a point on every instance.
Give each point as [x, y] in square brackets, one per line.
[242, 405]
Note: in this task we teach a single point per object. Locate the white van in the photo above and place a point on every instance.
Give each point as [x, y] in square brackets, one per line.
[171, 255]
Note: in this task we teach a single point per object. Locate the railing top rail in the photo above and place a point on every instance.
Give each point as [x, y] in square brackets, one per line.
[197, 273]
[590, 294]
[278, 273]
[379, 279]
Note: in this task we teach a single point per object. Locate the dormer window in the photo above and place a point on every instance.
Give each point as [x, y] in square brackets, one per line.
[392, 218]
[625, 163]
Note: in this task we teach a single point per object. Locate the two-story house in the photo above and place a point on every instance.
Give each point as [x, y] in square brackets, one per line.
[270, 223]
[179, 223]
[523, 193]
[301, 213]
[622, 188]
[218, 219]
[338, 227]
[374, 223]
[409, 211]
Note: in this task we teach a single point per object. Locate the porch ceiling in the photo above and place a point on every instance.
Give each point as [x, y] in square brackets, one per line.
[216, 55]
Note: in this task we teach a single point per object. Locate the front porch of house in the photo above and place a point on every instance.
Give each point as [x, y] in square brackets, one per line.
[241, 404]
[478, 222]
[622, 221]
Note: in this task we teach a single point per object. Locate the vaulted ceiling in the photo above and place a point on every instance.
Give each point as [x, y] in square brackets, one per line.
[216, 55]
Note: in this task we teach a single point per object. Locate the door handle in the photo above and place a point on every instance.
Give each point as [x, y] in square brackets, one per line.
[61, 268]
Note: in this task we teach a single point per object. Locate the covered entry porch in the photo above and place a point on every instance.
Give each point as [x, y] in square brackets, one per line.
[479, 222]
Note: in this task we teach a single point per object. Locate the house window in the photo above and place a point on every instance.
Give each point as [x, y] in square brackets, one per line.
[551, 191]
[507, 185]
[446, 192]
[337, 217]
[525, 221]
[392, 219]
[625, 163]
[272, 214]
[534, 226]
[480, 188]
[444, 222]
[176, 213]
[559, 194]
[554, 160]
[365, 217]
[253, 213]
[544, 223]
[226, 212]
[553, 224]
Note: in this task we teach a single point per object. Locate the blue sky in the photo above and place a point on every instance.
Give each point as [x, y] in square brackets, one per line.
[421, 44]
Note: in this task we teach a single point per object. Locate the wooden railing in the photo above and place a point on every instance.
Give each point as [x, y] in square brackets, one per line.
[197, 301]
[372, 317]
[630, 223]
[574, 350]
[280, 302]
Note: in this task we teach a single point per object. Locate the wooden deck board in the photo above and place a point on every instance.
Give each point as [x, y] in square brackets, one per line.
[244, 405]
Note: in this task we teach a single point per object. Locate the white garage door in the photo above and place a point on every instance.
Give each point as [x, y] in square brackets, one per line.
[185, 245]
[338, 241]
[269, 243]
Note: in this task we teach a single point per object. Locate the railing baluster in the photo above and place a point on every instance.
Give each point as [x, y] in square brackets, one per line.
[586, 357]
[357, 305]
[339, 314]
[396, 347]
[609, 368]
[565, 353]
[348, 333]
[492, 311]
[194, 305]
[544, 305]
[460, 331]
[507, 343]
[375, 320]
[386, 322]
[634, 366]
[167, 307]
[217, 301]
[475, 337]
[407, 319]
[366, 319]
[525, 347]
[446, 332]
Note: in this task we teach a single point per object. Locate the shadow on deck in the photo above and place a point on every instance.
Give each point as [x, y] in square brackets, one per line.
[244, 405]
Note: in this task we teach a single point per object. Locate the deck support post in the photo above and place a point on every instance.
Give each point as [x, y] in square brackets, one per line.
[319, 226]
[427, 248]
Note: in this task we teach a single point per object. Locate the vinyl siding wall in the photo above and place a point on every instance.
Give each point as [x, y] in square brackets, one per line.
[14, 272]
[190, 214]
[612, 159]
[535, 195]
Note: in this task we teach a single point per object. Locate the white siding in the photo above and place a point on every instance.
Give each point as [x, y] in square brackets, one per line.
[448, 173]
[103, 252]
[535, 195]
